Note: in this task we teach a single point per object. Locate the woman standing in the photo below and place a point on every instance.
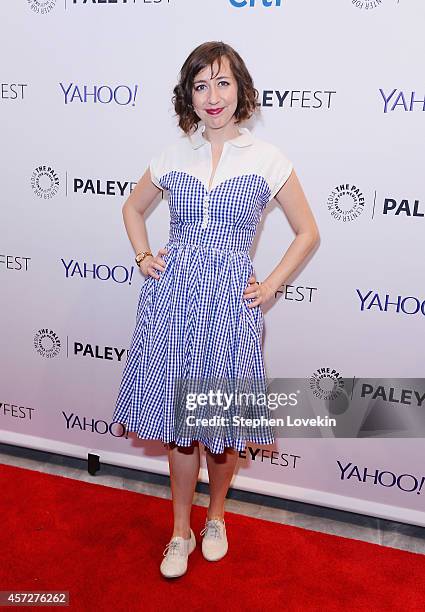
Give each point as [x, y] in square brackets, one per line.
[199, 314]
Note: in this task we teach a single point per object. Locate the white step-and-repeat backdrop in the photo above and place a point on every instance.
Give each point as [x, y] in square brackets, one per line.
[86, 91]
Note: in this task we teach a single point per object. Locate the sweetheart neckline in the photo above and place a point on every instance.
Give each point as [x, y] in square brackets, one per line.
[209, 191]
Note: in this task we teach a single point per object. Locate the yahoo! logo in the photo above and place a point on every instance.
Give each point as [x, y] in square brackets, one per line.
[95, 426]
[123, 95]
[409, 305]
[405, 101]
[405, 482]
[252, 3]
[103, 272]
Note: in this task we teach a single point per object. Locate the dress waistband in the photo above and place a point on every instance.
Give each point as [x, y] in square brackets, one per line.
[206, 247]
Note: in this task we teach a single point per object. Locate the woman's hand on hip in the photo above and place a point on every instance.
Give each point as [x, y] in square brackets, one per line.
[150, 264]
[259, 292]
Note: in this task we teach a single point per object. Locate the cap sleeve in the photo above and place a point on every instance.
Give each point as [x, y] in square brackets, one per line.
[279, 171]
[156, 167]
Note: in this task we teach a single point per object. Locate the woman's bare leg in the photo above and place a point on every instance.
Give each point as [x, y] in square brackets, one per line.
[184, 470]
[221, 468]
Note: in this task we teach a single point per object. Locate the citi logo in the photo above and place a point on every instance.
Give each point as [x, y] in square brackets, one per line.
[253, 3]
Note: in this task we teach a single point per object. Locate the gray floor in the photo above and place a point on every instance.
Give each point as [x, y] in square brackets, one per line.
[317, 518]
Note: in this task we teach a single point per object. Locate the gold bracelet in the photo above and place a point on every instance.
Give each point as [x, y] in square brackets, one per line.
[140, 257]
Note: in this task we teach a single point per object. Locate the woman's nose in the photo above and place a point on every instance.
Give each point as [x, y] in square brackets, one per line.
[213, 97]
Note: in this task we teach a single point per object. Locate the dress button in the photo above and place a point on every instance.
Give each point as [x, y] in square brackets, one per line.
[206, 199]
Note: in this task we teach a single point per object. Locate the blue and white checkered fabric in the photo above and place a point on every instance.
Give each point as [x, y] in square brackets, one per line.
[193, 322]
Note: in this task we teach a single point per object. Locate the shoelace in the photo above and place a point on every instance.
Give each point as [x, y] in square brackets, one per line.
[212, 528]
[172, 547]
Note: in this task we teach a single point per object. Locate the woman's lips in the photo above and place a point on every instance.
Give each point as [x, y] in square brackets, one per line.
[214, 111]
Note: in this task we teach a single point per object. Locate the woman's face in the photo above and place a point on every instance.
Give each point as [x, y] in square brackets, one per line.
[218, 94]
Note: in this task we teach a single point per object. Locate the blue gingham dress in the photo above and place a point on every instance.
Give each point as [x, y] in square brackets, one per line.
[192, 324]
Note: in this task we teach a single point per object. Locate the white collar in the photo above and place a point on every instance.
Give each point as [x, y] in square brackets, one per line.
[243, 140]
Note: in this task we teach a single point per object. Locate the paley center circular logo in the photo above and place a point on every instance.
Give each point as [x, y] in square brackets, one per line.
[45, 182]
[345, 202]
[326, 383]
[367, 4]
[47, 343]
[41, 6]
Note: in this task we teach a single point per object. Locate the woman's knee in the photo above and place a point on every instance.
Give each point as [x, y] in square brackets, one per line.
[187, 450]
[228, 452]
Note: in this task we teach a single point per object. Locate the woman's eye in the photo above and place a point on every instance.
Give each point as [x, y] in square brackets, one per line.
[198, 87]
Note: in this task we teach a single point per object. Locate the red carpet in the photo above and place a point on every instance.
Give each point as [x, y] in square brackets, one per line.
[104, 546]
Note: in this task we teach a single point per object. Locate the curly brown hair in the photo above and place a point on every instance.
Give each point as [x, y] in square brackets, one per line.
[205, 55]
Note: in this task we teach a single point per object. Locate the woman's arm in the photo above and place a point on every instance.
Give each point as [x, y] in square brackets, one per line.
[292, 199]
[139, 200]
